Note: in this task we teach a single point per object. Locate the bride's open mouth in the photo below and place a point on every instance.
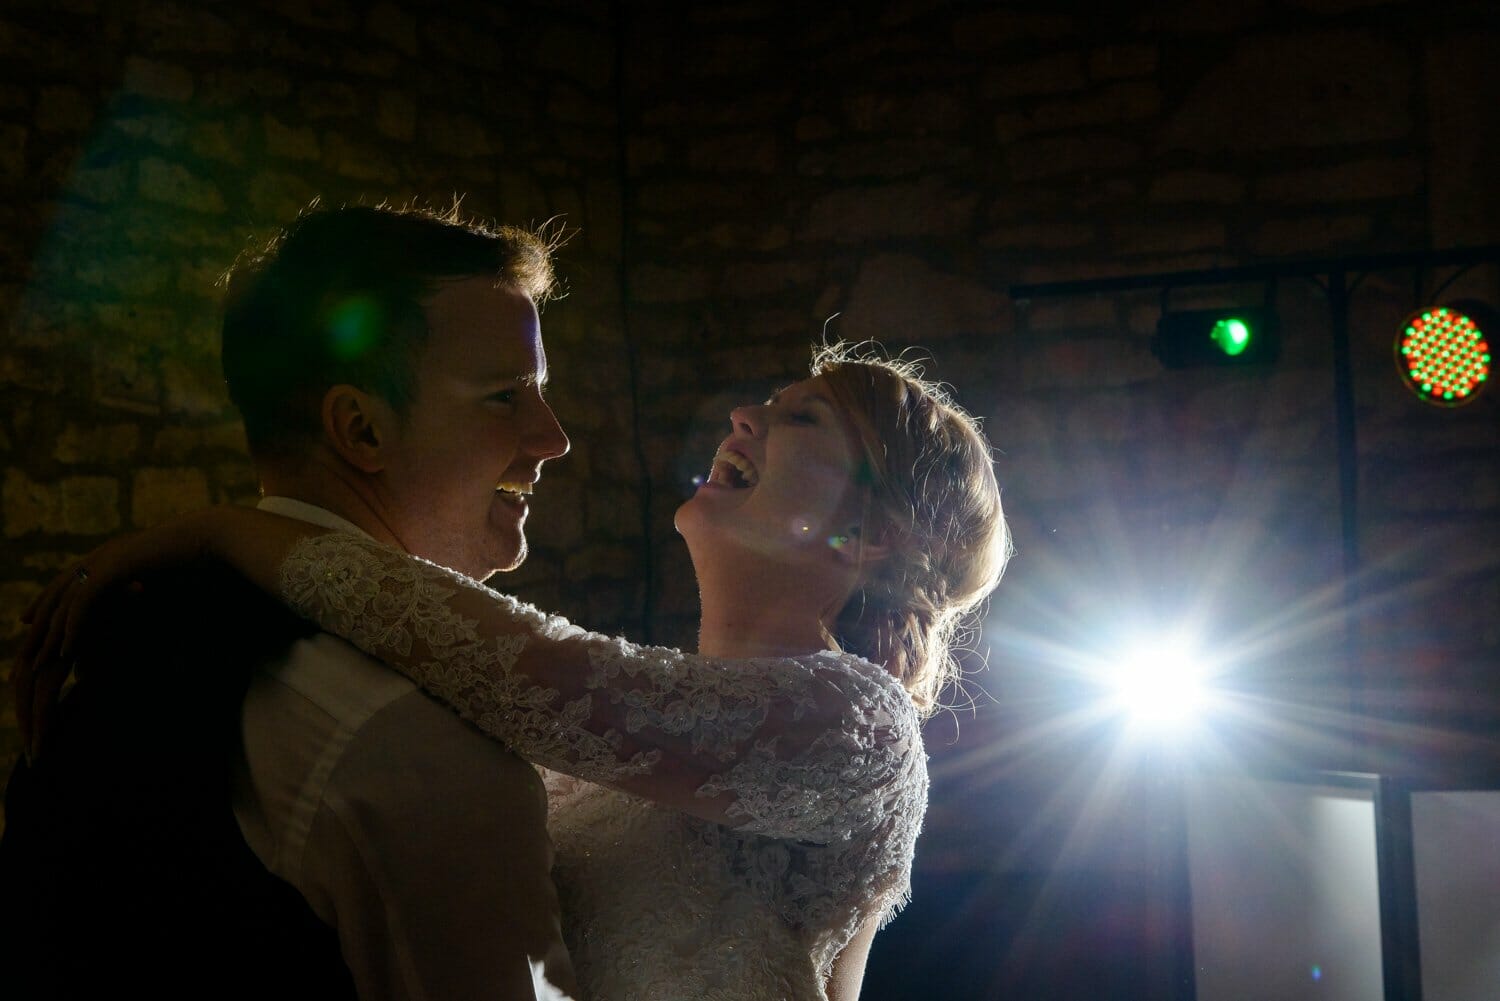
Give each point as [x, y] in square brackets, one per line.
[733, 470]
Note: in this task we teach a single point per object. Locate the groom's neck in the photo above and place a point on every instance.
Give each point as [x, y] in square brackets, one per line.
[346, 493]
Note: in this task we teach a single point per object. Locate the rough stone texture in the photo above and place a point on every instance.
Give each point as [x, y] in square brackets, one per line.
[157, 494]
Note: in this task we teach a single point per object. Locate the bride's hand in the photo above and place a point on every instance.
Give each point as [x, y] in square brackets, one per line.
[62, 612]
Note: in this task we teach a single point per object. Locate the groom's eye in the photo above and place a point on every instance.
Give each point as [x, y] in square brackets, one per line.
[504, 396]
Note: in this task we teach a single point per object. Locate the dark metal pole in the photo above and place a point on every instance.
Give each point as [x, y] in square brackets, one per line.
[1348, 466]
[1400, 945]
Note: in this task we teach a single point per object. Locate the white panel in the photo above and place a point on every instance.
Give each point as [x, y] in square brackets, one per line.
[1456, 846]
[1285, 891]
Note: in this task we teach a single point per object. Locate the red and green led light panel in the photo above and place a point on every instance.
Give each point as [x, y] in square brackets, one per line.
[1443, 356]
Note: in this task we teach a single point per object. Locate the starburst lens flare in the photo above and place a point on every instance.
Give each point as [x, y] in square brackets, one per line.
[1160, 685]
[1443, 355]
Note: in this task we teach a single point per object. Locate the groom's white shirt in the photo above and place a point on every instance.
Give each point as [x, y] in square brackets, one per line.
[421, 841]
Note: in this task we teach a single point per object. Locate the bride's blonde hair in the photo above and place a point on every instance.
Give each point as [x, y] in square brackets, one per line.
[932, 500]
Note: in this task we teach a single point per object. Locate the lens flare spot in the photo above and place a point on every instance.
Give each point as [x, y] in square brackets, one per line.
[354, 325]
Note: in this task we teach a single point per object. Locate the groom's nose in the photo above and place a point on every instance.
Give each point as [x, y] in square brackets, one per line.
[545, 438]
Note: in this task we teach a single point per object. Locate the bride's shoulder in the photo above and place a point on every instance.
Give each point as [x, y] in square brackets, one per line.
[861, 675]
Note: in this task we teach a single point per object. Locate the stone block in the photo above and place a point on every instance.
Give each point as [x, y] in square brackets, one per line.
[1308, 89]
[1050, 156]
[1303, 237]
[1091, 313]
[63, 109]
[657, 283]
[279, 197]
[1057, 73]
[104, 184]
[125, 379]
[606, 561]
[15, 597]
[755, 152]
[393, 26]
[107, 443]
[1055, 236]
[457, 134]
[928, 207]
[238, 85]
[753, 279]
[1095, 363]
[1110, 105]
[1170, 237]
[178, 444]
[396, 115]
[173, 184]
[999, 28]
[163, 81]
[194, 390]
[1382, 178]
[902, 299]
[1197, 186]
[584, 56]
[1125, 61]
[223, 140]
[156, 495]
[356, 160]
[174, 27]
[290, 141]
[13, 151]
[161, 129]
[325, 100]
[74, 505]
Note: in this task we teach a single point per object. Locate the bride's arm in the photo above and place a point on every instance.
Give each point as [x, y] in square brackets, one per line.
[803, 748]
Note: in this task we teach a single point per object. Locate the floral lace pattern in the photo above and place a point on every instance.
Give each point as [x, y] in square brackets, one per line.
[795, 787]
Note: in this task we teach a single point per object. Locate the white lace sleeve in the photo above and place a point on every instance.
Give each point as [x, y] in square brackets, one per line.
[807, 748]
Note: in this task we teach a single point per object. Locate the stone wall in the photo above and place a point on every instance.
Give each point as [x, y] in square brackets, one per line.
[901, 166]
[143, 145]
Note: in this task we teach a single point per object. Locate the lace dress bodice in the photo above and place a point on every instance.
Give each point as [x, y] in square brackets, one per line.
[722, 826]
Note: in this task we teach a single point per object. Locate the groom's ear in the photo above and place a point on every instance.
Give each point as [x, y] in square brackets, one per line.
[353, 426]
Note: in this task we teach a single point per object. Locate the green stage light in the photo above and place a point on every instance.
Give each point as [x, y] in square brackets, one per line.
[1443, 353]
[1247, 336]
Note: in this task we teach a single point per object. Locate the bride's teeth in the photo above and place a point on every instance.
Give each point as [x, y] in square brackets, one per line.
[514, 488]
[737, 463]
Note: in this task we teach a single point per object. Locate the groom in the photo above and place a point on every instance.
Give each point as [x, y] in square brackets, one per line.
[390, 372]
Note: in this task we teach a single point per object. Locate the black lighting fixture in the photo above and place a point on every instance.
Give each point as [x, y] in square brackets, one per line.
[1238, 337]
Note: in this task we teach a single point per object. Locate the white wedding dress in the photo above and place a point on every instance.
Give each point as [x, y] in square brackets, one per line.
[722, 826]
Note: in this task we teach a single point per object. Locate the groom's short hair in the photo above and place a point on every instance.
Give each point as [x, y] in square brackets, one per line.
[337, 298]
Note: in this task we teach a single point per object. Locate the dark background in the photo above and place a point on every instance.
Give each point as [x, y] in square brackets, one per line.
[738, 173]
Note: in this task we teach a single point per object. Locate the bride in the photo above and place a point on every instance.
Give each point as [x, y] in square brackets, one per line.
[730, 824]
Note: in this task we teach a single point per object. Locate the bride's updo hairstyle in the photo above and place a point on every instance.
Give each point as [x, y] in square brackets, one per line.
[933, 501]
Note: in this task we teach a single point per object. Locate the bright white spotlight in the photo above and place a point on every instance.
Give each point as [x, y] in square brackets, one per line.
[1160, 684]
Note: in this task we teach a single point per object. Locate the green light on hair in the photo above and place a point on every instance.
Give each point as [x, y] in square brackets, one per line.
[1232, 335]
[354, 326]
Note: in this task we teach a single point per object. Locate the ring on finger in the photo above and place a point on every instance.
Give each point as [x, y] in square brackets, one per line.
[81, 574]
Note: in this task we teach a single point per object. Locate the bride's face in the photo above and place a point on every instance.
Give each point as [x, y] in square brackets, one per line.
[783, 485]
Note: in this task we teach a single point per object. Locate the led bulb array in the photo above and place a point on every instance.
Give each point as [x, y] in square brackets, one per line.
[1443, 356]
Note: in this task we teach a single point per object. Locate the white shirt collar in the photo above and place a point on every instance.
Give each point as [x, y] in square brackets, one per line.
[290, 507]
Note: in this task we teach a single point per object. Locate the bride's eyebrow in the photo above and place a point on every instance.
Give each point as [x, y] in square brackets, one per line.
[775, 398]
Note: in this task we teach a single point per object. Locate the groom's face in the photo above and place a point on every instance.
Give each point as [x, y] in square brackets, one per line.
[460, 462]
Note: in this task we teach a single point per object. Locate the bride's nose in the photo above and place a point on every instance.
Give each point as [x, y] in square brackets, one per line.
[748, 420]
